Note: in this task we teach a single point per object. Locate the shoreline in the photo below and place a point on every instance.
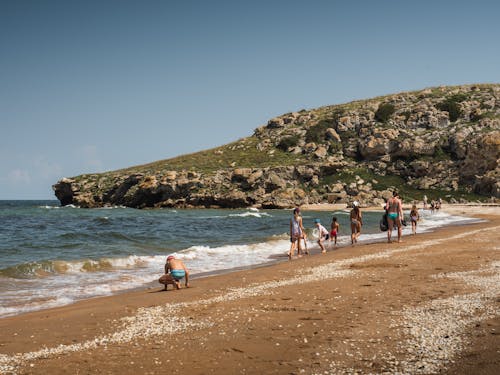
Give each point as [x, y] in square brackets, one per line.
[254, 319]
[453, 207]
[276, 258]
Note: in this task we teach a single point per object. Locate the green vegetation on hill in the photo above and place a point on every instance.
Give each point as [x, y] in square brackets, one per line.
[441, 142]
[240, 154]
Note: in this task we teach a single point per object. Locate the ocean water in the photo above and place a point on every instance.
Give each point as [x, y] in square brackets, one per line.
[52, 256]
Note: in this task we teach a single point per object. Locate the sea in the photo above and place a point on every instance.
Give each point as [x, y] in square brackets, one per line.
[52, 256]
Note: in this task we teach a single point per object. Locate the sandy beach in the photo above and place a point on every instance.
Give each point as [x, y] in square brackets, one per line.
[428, 305]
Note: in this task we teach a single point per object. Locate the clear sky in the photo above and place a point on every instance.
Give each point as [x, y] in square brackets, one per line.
[90, 86]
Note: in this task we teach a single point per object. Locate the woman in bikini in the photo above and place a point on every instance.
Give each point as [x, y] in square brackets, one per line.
[295, 233]
[394, 210]
[356, 222]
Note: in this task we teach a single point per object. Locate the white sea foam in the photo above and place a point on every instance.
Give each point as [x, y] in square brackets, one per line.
[250, 213]
[89, 278]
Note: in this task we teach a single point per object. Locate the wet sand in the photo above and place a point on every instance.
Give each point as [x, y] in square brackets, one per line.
[428, 305]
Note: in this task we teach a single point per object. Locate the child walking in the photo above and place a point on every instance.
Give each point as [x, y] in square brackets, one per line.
[414, 216]
[334, 230]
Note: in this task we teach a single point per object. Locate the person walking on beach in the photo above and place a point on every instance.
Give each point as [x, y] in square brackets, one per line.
[175, 271]
[425, 202]
[394, 210]
[414, 217]
[334, 230]
[356, 222]
[322, 235]
[303, 235]
[296, 231]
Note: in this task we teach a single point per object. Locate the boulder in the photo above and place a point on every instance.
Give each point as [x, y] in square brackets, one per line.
[274, 182]
[332, 135]
[373, 147]
[482, 156]
[276, 123]
[64, 190]
[320, 152]
[309, 147]
[84, 200]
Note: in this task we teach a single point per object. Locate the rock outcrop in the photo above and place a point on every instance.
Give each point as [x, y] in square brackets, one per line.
[444, 140]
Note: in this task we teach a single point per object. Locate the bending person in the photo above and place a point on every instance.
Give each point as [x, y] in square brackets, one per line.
[323, 235]
[175, 271]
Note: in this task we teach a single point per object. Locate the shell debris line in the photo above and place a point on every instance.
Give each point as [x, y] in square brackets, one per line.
[150, 321]
[146, 323]
[436, 331]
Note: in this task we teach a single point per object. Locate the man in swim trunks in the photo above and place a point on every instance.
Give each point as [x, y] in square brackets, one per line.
[394, 209]
[175, 270]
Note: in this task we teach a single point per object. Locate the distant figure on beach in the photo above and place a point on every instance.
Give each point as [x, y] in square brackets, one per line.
[425, 202]
[303, 235]
[322, 235]
[414, 217]
[356, 222]
[433, 206]
[296, 233]
[175, 271]
[334, 230]
[394, 210]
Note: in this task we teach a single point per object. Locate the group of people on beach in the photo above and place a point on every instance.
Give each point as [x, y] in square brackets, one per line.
[175, 269]
[298, 233]
[394, 215]
[434, 205]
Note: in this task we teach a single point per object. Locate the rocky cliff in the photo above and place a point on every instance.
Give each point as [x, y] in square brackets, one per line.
[443, 141]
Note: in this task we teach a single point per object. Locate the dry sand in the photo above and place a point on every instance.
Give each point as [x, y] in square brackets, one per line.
[428, 305]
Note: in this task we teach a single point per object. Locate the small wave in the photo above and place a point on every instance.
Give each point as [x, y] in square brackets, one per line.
[250, 213]
[58, 267]
[34, 304]
[110, 207]
[102, 219]
[49, 207]
[30, 270]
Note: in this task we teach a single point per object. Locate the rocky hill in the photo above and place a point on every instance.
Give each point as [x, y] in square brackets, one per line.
[442, 141]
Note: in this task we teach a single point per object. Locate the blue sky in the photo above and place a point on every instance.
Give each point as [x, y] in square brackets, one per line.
[90, 86]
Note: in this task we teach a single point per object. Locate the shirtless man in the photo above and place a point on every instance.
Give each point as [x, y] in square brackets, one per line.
[394, 210]
[175, 270]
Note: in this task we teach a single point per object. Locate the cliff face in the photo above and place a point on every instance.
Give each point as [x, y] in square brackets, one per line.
[440, 142]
